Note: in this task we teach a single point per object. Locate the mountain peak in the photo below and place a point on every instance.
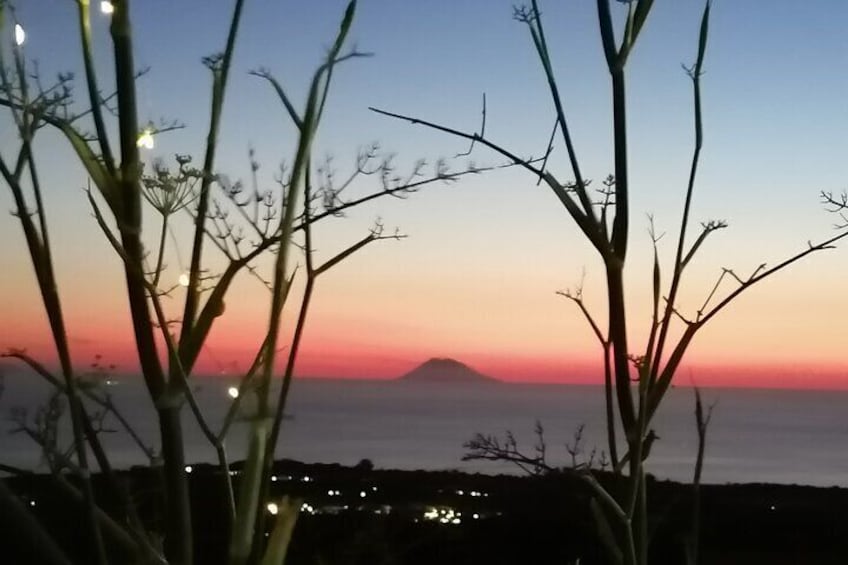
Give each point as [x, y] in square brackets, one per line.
[442, 370]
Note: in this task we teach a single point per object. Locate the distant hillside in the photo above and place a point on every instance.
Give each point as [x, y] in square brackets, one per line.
[440, 370]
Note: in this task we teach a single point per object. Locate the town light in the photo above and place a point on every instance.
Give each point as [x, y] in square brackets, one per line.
[20, 35]
[233, 392]
[107, 7]
[272, 508]
[145, 140]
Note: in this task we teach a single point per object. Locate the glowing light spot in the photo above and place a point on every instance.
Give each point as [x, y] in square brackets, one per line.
[272, 508]
[32, 503]
[183, 280]
[475, 516]
[362, 494]
[145, 140]
[188, 469]
[107, 7]
[273, 478]
[233, 392]
[20, 35]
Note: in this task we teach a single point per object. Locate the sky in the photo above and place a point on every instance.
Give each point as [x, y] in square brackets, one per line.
[477, 276]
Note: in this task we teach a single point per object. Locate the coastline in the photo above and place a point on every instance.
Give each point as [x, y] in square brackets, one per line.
[360, 514]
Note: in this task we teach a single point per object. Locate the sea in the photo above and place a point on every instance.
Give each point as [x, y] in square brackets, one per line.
[754, 436]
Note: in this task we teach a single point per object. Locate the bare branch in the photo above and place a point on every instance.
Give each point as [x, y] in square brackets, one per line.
[587, 224]
[680, 260]
[490, 448]
[762, 272]
[706, 229]
[576, 296]
[482, 131]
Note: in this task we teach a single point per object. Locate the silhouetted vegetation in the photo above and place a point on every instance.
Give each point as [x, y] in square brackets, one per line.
[259, 232]
[636, 378]
[593, 509]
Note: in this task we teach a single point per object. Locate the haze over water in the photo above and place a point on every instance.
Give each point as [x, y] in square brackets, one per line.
[756, 435]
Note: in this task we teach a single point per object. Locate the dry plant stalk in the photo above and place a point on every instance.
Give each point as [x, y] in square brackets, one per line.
[278, 226]
[637, 381]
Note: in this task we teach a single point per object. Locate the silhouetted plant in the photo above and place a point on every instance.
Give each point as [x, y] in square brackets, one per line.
[638, 381]
[702, 422]
[244, 225]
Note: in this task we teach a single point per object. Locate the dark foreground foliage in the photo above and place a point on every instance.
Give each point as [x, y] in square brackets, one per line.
[519, 519]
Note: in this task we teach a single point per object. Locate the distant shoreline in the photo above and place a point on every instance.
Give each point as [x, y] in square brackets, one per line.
[780, 521]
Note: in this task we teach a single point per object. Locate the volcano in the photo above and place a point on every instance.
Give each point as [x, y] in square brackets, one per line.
[443, 370]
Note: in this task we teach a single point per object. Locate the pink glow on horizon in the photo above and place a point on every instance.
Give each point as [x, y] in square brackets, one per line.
[344, 349]
[375, 363]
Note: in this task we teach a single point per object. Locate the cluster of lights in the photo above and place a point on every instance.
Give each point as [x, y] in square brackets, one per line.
[473, 493]
[334, 493]
[274, 509]
[445, 515]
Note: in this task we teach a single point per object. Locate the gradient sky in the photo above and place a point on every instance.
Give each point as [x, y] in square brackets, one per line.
[477, 276]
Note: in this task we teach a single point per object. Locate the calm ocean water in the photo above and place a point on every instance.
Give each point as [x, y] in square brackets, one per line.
[777, 436]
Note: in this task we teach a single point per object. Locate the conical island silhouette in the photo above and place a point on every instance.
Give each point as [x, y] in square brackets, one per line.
[443, 370]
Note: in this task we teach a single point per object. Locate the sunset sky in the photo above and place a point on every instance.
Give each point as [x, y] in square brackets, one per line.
[476, 278]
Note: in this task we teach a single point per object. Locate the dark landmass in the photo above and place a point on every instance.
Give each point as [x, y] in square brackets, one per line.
[442, 370]
[381, 517]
